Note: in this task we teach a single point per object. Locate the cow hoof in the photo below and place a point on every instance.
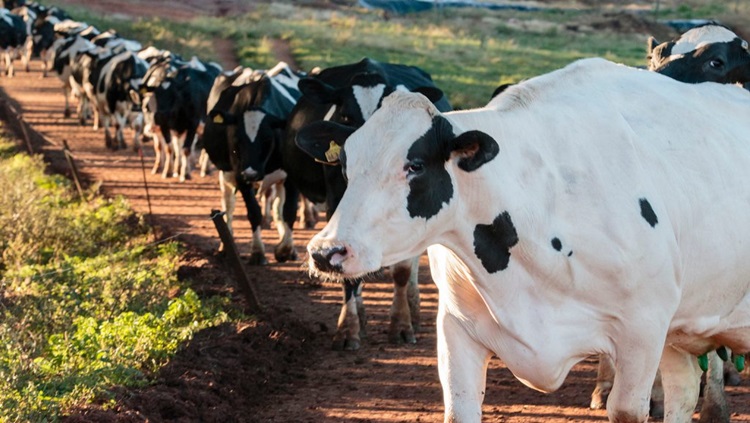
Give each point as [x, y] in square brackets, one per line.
[405, 336]
[656, 410]
[285, 254]
[66, 114]
[257, 259]
[599, 399]
[732, 378]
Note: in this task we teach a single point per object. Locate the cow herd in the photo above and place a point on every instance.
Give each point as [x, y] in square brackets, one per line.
[583, 212]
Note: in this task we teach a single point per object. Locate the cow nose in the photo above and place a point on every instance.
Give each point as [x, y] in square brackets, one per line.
[329, 259]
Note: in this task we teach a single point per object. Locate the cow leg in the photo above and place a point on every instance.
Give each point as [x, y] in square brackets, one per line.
[681, 380]
[204, 162]
[257, 250]
[9, 62]
[605, 375]
[352, 320]
[462, 366]
[227, 199]
[28, 48]
[404, 277]
[308, 217]
[714, 408]
[284, 250]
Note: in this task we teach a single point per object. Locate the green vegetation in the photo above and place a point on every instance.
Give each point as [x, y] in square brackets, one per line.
[87, 302]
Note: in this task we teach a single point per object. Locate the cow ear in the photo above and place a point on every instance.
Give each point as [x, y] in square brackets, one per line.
[323, 140]
[433, 94]
[219, 117]
[651, 44]
[473, 149]
[317, 91]
[499, 90]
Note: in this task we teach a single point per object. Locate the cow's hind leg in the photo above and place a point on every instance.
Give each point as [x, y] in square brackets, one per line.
[404, 277]
[681, 380]
[714, 408]
[258, 251]
[352, 320]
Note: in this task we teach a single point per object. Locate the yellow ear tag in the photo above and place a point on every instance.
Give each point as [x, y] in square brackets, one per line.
[334, 150]
[218, 119]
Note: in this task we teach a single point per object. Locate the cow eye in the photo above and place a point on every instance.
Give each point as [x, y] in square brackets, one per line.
[344, 119]
[414, 168]
[716, 64]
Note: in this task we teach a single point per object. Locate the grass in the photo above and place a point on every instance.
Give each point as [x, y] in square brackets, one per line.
[87, 300]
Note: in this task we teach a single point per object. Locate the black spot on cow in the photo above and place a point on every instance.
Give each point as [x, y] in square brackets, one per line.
[648, 212]
[570, 253]
[431, 186]
[556, 244]
[492, 243]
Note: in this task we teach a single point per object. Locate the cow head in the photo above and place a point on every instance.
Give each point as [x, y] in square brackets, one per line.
[252, 130]
[354, 103]
[402, 167]
[706, 53]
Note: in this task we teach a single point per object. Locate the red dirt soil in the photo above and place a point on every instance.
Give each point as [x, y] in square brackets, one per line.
[279, 368]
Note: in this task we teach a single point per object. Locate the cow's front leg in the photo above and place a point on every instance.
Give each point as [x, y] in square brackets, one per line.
[462, 365]
[402, 312]
[284, 250]
[636, 365]
[352, 320]
[605, 375]
[258, 250]
[680, 375]
[226, 185]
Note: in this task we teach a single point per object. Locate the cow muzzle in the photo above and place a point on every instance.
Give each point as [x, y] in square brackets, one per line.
[327, 259]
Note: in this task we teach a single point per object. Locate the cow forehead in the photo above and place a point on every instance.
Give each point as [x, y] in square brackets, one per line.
[253, 119]
[387, 136]
[698, 37]
[368, 98]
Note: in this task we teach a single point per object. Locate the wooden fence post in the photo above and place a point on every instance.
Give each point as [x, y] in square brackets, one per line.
[73, 168]
[230, 248]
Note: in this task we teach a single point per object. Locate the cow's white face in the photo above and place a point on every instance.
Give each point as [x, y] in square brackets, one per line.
[401, 191]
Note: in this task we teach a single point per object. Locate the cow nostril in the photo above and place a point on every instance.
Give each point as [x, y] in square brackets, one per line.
[329, 259]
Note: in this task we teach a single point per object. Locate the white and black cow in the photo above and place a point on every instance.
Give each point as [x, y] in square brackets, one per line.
[247, 115]
[12, 38]
[710, 52]
[350, 94]
[178, 100]
[64, 60]
[562, 224]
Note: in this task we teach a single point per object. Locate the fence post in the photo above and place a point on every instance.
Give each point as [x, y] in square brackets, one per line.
[230, 249]
[73, 168]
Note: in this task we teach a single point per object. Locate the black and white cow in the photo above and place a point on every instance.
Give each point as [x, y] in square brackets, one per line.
[710, 52]
[179, 104]
[12, 38]
[559, 226]
[65, 52]
[350, 94]
[247, 116]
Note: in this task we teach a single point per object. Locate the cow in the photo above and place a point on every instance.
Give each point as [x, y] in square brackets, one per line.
[710, 52]
[64, 60]
[12, 38]
[247, 114]
[179, 105]
[349, 94]
[559, 225]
